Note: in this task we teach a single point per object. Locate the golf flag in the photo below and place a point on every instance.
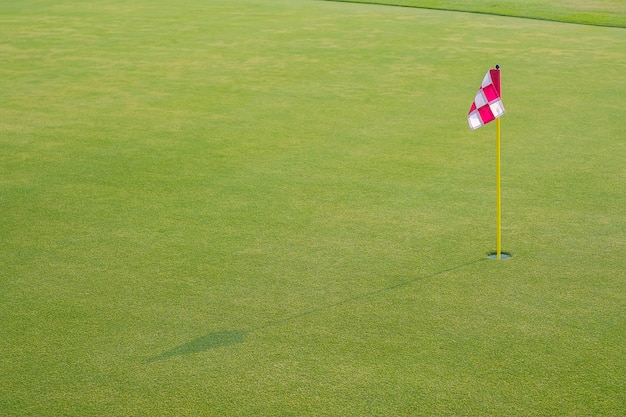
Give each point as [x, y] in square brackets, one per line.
[487, 105]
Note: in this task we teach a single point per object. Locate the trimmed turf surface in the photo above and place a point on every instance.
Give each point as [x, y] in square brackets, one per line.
[587, 12]
[277, 208]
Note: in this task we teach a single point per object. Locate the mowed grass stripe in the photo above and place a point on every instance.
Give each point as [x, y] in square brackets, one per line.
[599, 13]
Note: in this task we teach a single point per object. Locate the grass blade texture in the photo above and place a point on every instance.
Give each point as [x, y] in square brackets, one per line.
[272, 208]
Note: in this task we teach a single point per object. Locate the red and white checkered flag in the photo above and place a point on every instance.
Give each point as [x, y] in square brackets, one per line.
[487, 105]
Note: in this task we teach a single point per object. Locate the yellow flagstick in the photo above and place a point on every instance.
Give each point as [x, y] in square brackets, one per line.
[498, 203]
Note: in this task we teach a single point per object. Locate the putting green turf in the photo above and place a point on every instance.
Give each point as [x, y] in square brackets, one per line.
[277, 208]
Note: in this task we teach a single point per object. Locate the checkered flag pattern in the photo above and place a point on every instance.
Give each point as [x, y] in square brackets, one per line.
[487, 105]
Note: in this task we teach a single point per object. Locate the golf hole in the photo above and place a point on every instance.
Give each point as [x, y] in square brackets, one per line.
[503, 255]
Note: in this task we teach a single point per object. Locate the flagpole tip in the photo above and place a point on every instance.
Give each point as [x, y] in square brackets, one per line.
[497, 66]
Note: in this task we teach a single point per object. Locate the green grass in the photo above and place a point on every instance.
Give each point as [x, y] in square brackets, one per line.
[587, 12]
[239, 208]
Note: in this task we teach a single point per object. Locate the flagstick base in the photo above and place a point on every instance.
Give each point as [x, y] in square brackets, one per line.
[503, 255]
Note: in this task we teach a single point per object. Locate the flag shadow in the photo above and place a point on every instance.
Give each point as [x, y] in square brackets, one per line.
[202, 344]
[227, 338]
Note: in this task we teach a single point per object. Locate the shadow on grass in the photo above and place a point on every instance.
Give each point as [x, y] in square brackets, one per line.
[202, 344]
[227, 338]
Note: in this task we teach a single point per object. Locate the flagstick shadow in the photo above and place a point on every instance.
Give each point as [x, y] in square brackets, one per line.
[227, 338]
[366, 295]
